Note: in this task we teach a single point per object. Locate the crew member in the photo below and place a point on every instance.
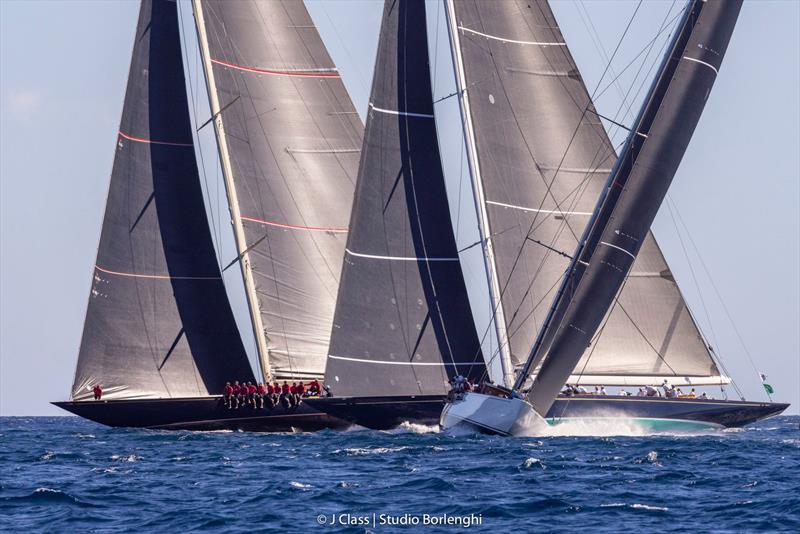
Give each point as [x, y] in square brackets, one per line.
[227, 393]
[98, 392]
[261, 393]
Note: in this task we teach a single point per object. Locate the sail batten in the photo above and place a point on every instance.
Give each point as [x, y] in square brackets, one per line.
[403, 324]
[290, 142]
[158, 322]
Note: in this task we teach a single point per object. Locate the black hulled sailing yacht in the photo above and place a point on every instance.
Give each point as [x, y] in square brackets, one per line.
[159, 335]
[540, 158]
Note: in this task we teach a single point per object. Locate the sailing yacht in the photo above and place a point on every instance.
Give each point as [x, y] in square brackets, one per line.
[615, 235]
[159, 335]
[540, 161]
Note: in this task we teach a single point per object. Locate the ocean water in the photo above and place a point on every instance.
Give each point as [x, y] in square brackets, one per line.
[64, 474]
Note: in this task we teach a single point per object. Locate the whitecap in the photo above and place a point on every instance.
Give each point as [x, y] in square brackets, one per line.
[415, 428]
[128, 458]
[638, 506]
[362, 451]
[299, 485]
[346, 484]
[652, 457]
[531, 462]
[47, 456]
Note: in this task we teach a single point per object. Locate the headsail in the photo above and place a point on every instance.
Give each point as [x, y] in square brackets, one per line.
[403, 323]
[633, 195]
[289, 141]
[543, 158]
[158, 322]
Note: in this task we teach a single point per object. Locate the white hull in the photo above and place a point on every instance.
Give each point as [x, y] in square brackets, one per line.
[495, 415]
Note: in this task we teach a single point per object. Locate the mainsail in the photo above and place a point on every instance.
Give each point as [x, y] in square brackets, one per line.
[289, 140]
[540, 158]
[158, 322]
[403, 323]
[634, 192]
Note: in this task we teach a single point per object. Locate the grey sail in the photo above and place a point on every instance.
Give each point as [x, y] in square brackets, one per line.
[158, 322]
[543, 158]
[634, 192]
[289, 140]
[403, 324]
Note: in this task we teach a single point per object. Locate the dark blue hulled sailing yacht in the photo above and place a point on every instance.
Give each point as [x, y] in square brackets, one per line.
[297, 162]
[159, 335]
[539, 159]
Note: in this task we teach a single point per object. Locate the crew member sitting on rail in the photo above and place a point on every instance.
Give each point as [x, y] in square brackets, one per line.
[650, 391]
[227, 393]
[602, 391]
[237, 391]
[98, 392]
[285, 393]
[301, 390]
[261, 392]
[313, 388]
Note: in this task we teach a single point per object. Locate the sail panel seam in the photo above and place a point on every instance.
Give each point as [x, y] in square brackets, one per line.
[709, 65]
[401, 113]
[396, 258]
[156, 276]
[618, 248]
[360, 360]
[325, 72]
[294, 226]
[513, 41]
[150, 141]
[536, 210]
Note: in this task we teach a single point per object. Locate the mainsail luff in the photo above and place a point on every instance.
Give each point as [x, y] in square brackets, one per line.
[484, 226]
[158, 321]
[542, 161]
[291, 139]
[403, 323]
[635, 190]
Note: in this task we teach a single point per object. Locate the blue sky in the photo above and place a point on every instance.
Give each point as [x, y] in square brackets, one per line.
[63, 67]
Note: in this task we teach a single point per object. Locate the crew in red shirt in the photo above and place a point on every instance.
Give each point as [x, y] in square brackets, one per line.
[98, 392]
[227, 394]
[285, 389]
[314, 388]
[301, 389]
[261, 392]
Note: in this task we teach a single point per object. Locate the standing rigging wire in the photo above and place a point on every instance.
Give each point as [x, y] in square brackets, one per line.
[549, 185]
[673, 206]
[648, 48]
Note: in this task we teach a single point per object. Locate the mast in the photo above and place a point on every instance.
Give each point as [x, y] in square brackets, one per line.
[233, 201]
[484, 229]
[634, 192]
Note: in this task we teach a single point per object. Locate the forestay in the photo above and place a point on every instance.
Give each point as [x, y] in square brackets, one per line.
[158, 321]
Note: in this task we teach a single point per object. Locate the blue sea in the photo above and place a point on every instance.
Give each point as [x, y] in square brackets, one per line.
[64, 474]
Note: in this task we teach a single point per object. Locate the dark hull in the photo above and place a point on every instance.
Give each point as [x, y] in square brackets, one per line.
[383, 413]
[201, 413]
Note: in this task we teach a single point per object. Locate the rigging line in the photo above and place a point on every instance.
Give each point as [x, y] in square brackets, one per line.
[199, 146]
[574, 134]
[646, 47]
[714, 286]
[670, 206]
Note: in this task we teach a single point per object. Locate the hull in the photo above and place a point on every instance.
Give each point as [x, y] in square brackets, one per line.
[383, 413]
[491, 415]
[201, 413]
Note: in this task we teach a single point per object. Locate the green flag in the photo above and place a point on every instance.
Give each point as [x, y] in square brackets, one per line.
[768, 389]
